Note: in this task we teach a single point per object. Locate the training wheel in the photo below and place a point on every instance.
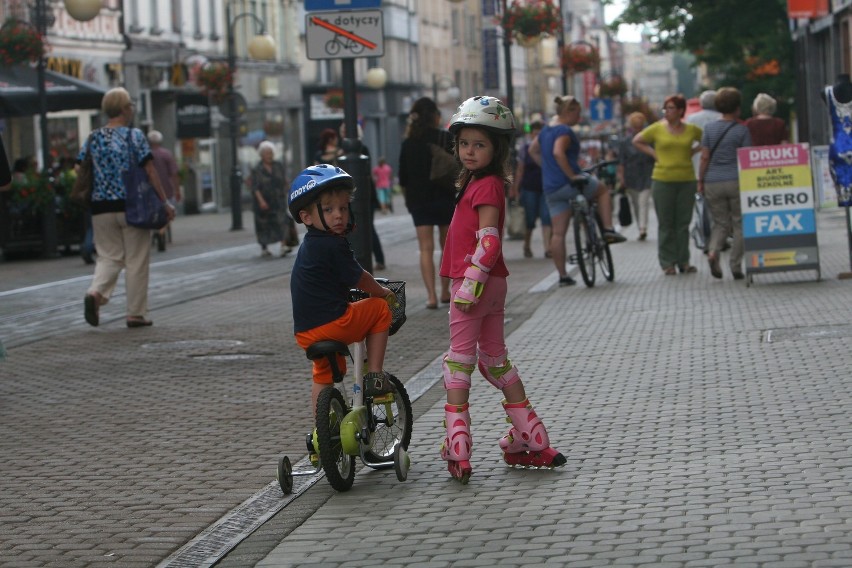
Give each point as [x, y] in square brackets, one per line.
[285, 475]
[401, 462]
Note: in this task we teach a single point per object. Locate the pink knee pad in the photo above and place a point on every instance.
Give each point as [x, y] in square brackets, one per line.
[498, 371]
[457, 369]
[527, 433]
[458, 445]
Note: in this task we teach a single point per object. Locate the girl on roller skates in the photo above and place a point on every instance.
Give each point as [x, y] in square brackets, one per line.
[473, 258]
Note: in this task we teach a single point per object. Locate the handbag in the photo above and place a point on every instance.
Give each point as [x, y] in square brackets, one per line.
[625, 218]
[82, 190]
[443, 169]
[517, 222]
[143, 208]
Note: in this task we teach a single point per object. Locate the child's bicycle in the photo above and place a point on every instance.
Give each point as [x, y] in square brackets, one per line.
[378, 429]
[592, 248]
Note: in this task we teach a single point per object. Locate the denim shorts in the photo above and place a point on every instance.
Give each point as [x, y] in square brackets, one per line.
[559, 201]
[534, 208]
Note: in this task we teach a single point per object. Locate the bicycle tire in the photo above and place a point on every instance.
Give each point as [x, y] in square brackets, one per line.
[386, 434]
[585, 253]
[339, 468]
[602, 253]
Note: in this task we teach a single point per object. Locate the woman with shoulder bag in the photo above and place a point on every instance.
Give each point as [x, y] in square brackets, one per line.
[119, 245]
[429, 205]
[718, 180]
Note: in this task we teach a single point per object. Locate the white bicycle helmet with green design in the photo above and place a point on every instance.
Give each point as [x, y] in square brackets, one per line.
[484, 111]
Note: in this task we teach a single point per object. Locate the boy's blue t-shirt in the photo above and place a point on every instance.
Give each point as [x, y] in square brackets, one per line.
[324, 272]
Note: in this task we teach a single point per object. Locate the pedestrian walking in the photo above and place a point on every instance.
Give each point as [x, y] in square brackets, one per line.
[527, 187]
[383, 178]
[766, 129]
[483, 128]
[718, 180]
[120, 246]
[429, 205]
[634, 173]
[167, 169]
[268, 183]
[672, 142]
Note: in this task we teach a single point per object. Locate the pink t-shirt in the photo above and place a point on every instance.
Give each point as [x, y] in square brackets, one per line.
[382, 176]
[461, 236]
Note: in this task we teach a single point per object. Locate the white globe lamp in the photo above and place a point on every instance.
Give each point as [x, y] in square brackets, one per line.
[377, 78]
[262, 47]
[83, 10]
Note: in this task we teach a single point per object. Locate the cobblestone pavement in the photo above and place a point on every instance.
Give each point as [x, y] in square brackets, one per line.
[705, 424]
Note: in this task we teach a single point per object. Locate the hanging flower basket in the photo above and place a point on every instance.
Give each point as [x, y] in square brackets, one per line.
[527, 41]
[579, 57]
[614, 86]
[214, 80]
[530, 19]
[20, 43]
[34, 192]
[334, 99]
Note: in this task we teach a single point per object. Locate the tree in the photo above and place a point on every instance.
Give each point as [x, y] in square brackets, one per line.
[745, 43]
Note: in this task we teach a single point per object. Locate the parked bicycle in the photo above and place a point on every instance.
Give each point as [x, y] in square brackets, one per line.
[377, 429]
[592, 247]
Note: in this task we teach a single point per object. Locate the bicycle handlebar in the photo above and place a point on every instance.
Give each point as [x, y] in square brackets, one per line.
[599, 165]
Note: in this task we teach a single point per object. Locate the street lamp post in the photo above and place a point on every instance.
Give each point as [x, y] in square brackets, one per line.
[261, 47]
[49, 236]
[507, 57]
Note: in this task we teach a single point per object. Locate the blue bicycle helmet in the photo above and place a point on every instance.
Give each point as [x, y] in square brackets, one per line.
[311, 182]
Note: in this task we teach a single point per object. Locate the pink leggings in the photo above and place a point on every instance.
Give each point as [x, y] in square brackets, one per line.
[482, 326]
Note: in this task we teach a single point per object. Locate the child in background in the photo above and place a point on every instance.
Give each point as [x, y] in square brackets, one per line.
[383, 176]
[473, 258]
[323, 273]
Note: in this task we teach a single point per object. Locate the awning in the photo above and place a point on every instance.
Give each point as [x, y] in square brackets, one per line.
[19, 92]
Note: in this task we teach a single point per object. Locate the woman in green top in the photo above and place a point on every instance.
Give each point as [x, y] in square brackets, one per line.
[672, 142]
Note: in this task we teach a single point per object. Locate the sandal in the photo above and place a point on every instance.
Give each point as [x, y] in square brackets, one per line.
[91, 304]
[528, 252]
[670, 271]
[688, 269]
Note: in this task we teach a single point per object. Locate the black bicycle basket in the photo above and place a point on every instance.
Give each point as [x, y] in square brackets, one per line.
[397, 311]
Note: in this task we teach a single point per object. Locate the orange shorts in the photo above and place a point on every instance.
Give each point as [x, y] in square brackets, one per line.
[362, 318]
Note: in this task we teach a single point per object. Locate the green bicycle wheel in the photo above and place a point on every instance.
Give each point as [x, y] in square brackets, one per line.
[339, 468]
[390, 423]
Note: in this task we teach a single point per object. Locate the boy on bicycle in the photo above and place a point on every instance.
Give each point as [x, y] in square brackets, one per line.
[323, 273]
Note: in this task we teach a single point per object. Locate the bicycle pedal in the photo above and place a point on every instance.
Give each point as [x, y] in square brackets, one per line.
[383, 398]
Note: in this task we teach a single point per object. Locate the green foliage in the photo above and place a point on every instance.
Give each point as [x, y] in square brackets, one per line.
[745, 44]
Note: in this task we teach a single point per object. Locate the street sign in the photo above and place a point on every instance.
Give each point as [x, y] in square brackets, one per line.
[344, 35]
[600, 109]
[315, 5]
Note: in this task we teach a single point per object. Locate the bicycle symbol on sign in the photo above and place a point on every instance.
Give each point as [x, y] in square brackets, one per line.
[334, 45]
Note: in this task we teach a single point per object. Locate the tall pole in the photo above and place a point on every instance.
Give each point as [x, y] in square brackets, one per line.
[507, 56]
[357, 164]
[560, 42]
[233, 129]
[49, 237]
